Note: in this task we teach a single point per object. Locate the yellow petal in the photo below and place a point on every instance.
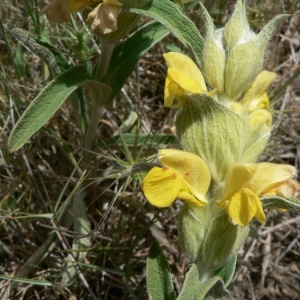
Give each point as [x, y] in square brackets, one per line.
[264, 101]
[257, 90]
[186, 196]
[177, 84]
[188, 84]
[260, 215]
[162, 186]
[243, 207]
[190, 167]
[186, 67]
[237, 178]
[269, 176]
[260, 119]
[172, 90]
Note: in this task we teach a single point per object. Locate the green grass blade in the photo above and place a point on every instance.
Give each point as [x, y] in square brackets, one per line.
[19, 61]
[43, 107]
[25, 280]
[9, 49]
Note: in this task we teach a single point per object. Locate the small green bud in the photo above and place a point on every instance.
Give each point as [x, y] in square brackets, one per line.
[222, 241]
[237, 28]
[244, 63]
[214, 60]
[191, 231]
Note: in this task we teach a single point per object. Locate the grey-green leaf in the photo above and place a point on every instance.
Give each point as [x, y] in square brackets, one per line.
[292, 204]
[227, 272]
[159, 281]
[194, 288]
[218, 292]
[30, 41]
[127, 54]
[42, 108]
[191, 287]
[167, 13]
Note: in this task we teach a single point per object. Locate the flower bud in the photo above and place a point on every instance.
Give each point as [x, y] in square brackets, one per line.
[222, 241]
[244, 63]
[191, 231]
[214, 60]
[237, 29]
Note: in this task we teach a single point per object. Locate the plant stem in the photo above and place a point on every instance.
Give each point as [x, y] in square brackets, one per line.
[105, 57]
[97, 106]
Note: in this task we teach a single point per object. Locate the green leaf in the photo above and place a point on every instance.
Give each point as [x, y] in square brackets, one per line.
[42, 108]
[126, 55]
[159, 281]
[172, 48]
[19, 61]
[292, 204]
[194, 288]
[167, 13]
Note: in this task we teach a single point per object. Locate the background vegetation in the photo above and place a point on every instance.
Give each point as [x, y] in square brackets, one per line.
[40, 177]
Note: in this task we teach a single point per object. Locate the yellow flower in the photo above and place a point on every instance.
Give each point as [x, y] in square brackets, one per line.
[272, 179]
[183, 76]
[103, 19]
[255, 96]
[246, 183]
[184, 175]
[60, 10]
[256, 102]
